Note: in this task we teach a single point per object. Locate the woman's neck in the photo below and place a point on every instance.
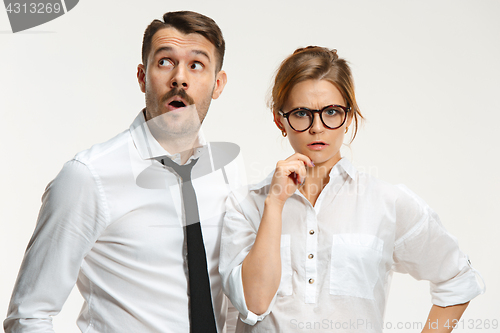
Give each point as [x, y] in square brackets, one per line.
[317, 178]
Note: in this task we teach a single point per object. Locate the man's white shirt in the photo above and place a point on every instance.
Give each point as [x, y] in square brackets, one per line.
[112, 222]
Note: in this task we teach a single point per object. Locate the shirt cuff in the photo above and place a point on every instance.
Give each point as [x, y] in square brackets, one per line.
[460, 289]
[238, 299]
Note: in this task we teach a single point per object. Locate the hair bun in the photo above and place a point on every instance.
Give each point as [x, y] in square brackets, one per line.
[300, 49]
[319, 49]
[334, 54]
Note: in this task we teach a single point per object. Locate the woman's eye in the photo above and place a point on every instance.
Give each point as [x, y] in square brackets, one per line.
[332, 112]
[197, 66]
[300, 114]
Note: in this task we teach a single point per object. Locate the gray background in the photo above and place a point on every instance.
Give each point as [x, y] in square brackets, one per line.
[427, 79]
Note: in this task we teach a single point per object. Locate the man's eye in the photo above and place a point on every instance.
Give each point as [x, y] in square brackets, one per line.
[197, 66]
[165, 62]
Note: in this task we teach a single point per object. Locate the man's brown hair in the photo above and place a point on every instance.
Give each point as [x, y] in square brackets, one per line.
[188, 23]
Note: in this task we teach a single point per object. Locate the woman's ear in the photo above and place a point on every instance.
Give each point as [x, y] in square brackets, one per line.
[277, 121]
[350, 116]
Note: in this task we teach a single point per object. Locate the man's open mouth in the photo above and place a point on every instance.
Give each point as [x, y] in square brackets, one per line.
[177, 104]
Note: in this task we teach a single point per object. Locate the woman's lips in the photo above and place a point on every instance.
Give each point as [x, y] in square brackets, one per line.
[317, 145]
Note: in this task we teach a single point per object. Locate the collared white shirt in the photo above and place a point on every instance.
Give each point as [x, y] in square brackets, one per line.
[338, 256]
[112, 222]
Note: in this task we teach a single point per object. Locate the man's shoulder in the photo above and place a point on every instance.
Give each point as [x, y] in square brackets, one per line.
[105, 150]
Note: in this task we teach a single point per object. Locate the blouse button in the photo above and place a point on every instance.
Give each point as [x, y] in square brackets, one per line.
[311, 281]
[311, 232]
[310, 256]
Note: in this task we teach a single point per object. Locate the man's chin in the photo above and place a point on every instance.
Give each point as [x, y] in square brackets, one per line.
[173, 129]
[181, 132]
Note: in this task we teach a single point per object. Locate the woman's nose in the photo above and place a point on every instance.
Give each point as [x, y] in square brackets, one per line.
[317, 125]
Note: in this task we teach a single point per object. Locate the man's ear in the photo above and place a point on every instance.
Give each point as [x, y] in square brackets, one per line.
[220, 83]
[141, 77]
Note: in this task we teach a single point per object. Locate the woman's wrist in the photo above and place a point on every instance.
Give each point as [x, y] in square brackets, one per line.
[273, 201]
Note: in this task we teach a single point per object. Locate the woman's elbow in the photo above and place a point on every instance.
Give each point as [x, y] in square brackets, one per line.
[259, 306]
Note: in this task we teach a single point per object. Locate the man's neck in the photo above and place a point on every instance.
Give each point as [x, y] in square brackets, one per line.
[182, 143]
[184, 146]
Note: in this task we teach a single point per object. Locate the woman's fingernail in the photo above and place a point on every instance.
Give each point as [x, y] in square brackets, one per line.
[312, 163]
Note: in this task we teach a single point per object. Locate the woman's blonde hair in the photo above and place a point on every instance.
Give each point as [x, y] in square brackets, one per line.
[316, 63]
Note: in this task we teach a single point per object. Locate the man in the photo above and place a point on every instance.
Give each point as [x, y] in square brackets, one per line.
[121, 220]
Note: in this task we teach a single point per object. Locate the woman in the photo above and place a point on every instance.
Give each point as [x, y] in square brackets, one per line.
[313, 246]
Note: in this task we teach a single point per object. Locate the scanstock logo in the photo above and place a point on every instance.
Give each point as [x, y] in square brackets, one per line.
[28, 14]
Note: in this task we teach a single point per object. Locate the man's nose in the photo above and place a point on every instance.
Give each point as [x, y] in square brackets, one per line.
[317, 125]
[179, 78]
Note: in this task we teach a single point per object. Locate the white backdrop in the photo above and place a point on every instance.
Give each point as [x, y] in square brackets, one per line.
[427, 79]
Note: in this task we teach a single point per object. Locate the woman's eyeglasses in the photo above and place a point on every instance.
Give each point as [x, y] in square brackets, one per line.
[301, 119]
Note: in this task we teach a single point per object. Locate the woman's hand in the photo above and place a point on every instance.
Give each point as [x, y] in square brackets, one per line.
[288, 176]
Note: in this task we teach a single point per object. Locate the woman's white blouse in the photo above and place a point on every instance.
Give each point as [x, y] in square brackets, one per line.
[338, 256]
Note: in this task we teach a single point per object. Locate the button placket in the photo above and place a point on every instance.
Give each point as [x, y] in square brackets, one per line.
[310, 256]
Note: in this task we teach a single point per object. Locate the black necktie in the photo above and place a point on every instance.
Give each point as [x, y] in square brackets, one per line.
[202, 318]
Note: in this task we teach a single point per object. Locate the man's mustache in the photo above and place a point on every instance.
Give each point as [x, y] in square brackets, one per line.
[177, 92]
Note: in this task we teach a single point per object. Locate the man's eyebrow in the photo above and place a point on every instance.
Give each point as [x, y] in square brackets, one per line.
[169, 48]
[162, 49]
[203, 53]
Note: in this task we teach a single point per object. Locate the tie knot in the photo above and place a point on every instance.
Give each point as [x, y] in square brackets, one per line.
[184, 171]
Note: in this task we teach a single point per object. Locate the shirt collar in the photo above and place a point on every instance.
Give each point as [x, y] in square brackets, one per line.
[149, 148]
[342, 165]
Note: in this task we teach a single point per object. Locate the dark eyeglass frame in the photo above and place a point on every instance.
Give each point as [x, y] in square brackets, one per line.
[320, 111]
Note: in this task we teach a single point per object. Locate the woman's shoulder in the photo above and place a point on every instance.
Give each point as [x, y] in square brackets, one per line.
[368, 183]
[397, 194]
[261, 189]
[251, 196]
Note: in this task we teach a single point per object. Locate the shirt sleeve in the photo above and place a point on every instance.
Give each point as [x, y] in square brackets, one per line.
[426, 251]
[70, 219]
[241, 223]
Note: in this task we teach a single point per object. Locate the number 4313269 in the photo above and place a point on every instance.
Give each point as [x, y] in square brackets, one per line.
[34, 8]
[470, 324]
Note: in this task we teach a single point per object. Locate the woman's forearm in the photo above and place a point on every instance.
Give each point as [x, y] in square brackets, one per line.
[261, 269]
[442, 319]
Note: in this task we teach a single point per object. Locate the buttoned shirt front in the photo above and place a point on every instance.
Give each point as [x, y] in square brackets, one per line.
[112, 222]
[338, 256]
